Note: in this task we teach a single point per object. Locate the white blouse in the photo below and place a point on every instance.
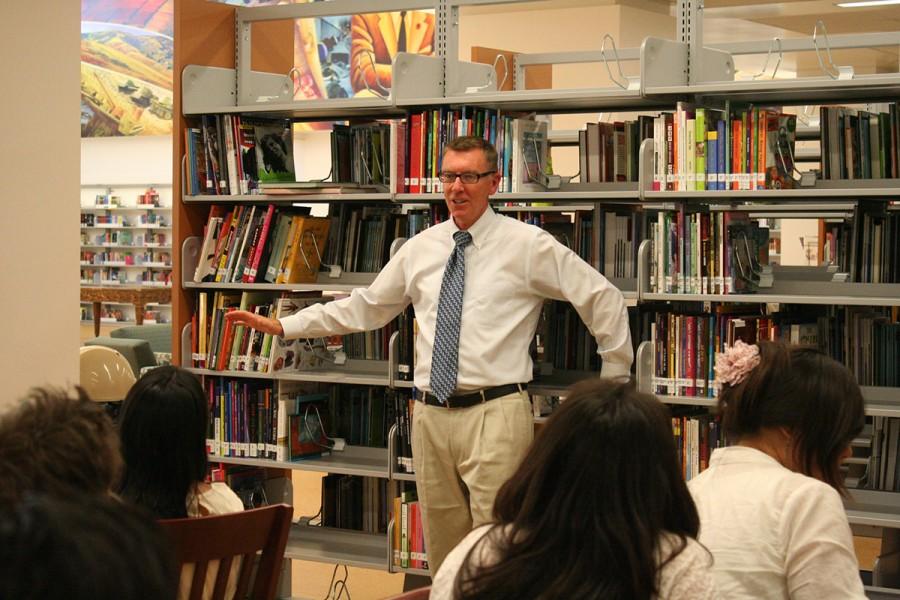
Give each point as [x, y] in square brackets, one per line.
[774, 534]
[685, 577]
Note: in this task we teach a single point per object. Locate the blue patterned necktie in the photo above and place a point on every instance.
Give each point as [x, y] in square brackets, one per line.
[445, 357]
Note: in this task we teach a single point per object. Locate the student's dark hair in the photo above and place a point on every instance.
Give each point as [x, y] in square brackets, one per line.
[805, 391]
[467, 143]
[163, 430]
[83, 548]
[583, 515]
[57, 442]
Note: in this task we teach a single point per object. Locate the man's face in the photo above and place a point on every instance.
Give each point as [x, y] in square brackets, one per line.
[468, 201]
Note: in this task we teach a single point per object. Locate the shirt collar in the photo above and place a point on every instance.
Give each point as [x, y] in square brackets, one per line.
[741, 454]
[480, 228]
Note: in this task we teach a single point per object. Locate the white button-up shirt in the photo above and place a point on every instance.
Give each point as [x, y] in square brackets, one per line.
[511, 268]
[774, 534]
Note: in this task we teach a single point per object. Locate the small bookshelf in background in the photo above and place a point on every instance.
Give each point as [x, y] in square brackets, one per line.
[126, 239]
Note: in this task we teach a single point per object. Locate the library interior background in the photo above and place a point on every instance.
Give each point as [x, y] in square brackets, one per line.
[757, 142]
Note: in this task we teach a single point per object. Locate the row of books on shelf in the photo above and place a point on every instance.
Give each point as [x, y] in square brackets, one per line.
[125, 238]
[727, 252]
[126, 258]
[250, 244]
[357, 503]
[219, 345]
[707, 253]
[696, 148]
[697, 433]
[253, 419]
[148, 219]
[408, 545]
[244, 244]
[562, 341]
[522, 146]
[231, 154]
[883, 468]
[860, 144]
[361, 153]
[867, 246]
[686, 340]
[608, 152]
[148, 198]
[121, 276]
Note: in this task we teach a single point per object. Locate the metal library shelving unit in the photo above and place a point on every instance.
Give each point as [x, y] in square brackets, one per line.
[126, 231]
[216, 78]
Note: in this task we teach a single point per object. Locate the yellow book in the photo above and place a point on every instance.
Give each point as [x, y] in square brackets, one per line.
[307, 247]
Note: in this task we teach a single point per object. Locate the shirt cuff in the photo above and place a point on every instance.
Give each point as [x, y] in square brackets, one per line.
[611, 369]
[292, 326]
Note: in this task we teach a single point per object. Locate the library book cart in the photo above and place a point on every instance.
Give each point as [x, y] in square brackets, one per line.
[240, 62]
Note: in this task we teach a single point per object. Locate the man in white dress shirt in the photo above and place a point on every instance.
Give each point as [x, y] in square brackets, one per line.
[468, 442]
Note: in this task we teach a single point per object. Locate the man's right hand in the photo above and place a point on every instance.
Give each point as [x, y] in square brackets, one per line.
[258, 322]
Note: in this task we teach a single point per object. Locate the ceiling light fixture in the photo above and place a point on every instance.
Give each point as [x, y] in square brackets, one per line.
[862, 3]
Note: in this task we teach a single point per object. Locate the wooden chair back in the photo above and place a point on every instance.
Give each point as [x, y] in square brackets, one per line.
[233, 540]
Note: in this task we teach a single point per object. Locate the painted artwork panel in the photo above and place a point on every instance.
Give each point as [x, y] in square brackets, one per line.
[347, 56]
[127, 55]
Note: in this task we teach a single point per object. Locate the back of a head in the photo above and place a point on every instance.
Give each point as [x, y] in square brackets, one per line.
[606, 455]
[88, 549]
[163, 428]
[57, 443]
[805, 391]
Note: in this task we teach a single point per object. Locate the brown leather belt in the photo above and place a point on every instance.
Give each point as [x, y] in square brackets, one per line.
[473, 398]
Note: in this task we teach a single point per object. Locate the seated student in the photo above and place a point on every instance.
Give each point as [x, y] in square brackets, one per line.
[770, 506]
[163, 427]
[597, 509]
[59, 443]
[82, 548]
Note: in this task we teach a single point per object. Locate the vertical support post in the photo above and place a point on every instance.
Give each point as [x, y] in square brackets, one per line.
[446, 43]
[690, 32]
[518, 73]
[242, 52]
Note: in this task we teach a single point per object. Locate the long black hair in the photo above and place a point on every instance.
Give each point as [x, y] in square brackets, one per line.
[583, 515]
[163, 433]
[805, 391]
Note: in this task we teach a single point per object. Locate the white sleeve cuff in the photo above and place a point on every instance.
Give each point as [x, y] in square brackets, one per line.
[611, 369]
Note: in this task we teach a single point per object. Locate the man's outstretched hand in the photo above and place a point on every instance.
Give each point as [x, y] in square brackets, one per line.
[258, 322]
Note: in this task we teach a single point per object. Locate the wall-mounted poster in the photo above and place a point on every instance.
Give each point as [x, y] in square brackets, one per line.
[126, 67]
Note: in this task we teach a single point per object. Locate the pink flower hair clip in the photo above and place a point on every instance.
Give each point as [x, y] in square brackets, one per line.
[733, 365]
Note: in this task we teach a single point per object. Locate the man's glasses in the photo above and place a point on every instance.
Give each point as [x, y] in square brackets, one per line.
[464, 177]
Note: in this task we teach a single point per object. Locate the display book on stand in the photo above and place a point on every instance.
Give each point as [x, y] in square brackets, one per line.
[687, 278]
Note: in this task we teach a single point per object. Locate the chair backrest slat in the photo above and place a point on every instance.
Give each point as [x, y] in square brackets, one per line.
[198, 580]
[224, 537]
[222, 577]
[243, 583]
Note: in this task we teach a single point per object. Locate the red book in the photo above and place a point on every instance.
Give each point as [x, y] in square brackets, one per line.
[415, 154]
[690, 355]
[225, 347]
[249, 275]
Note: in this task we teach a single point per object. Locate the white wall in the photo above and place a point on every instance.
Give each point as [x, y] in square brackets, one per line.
[142, 160]
[564, 30]
[39, 192]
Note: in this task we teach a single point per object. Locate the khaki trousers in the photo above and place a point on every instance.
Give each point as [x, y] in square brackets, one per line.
[462, 456]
